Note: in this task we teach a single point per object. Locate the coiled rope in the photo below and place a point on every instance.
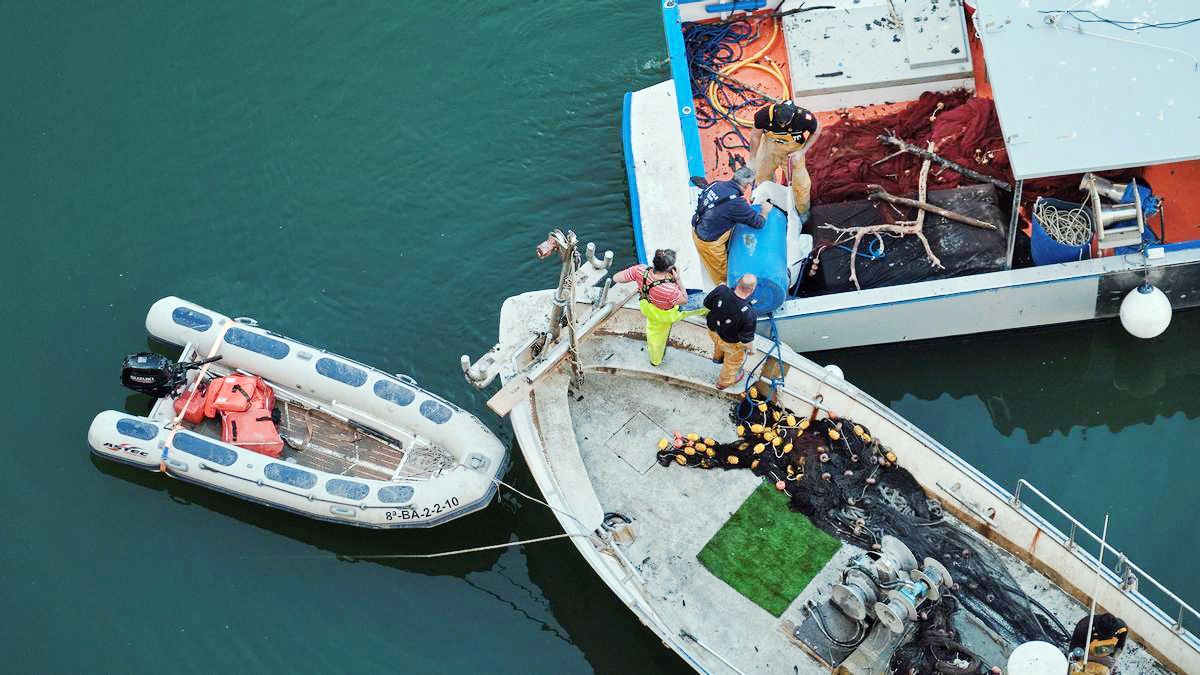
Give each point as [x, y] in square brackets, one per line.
[715, 52]
[1071, 227]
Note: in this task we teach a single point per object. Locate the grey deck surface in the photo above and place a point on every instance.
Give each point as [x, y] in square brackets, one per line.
[1071, 102]
[627, 406]
[676, 510]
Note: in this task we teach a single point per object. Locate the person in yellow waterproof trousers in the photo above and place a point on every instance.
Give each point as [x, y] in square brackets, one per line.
[719, 208]
[662, 295]
[782, 133]
[731, 324]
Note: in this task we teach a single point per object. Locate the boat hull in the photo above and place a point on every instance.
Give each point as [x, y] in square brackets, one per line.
[545, 431]
[398, 418]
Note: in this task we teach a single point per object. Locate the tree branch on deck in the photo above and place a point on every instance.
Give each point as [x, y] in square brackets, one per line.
[897, 229]
[953, 166]
[877, 192]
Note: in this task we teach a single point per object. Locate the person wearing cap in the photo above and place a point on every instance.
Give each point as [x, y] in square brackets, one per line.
[720, 206]
[1102, 648]
[661, 294]
[782, 133]
[731, 324]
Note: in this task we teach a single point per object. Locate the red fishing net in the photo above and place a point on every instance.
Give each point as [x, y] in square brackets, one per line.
[965, 130]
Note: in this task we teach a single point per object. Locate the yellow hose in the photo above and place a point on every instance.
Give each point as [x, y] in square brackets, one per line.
[769, 67]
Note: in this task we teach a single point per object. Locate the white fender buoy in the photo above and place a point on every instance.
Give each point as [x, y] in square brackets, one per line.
[1036, 658]
[834, 370]
[1146, 311]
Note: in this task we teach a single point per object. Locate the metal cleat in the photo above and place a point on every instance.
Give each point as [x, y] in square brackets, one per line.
[482, 372]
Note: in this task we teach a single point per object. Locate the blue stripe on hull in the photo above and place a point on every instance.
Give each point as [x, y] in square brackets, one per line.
[635, 206]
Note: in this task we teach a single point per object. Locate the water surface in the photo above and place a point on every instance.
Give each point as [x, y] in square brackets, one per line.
[372, 179]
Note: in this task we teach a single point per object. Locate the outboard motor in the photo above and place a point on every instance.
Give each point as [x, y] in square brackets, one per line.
[156, 375]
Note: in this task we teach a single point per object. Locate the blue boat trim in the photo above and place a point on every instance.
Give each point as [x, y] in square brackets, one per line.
[386, 525]
[190, 318]
[340, 487]
[127, 426]
[394, 393]
[682, 78]
[635, 205]
[342, 372]
[257, 343]
[290, 475]
[395, 494]
[736, 5]
[203, 448]
[435, 412]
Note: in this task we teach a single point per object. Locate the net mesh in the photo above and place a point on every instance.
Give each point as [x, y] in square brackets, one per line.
[850, 485]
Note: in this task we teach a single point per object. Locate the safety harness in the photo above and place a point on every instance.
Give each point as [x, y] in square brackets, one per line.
[645, 286]
[705, 205]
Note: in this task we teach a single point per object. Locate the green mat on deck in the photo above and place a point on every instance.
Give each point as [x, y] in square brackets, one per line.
[766, 552]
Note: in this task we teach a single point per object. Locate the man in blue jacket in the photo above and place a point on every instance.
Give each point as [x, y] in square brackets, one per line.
[720, 206]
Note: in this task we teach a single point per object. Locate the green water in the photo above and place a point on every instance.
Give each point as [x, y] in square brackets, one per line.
[371, 178]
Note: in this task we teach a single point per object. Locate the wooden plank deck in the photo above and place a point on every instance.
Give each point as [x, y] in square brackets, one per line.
[318, 440]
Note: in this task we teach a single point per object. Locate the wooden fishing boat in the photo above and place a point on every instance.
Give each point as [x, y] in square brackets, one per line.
[595, 423]
[271, 420]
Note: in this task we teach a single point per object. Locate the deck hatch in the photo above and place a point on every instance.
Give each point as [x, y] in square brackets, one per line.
[636, 440]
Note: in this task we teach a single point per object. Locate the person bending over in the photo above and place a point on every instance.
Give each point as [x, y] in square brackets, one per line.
[782, 133]
[720, 206]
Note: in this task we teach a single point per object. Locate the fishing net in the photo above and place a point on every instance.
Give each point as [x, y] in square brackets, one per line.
[850, 485]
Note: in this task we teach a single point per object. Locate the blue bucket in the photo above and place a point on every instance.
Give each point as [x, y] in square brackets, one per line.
[1047, 251]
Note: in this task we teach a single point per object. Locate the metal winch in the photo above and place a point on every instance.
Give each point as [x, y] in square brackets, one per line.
[889, 585]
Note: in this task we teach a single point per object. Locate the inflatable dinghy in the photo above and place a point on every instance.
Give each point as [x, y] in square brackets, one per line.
[275, 421]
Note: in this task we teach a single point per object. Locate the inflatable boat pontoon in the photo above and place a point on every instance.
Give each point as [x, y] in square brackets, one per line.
[275, 421]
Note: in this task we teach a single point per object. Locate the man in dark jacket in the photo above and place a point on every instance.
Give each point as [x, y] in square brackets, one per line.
[731, 323]
[720, 206]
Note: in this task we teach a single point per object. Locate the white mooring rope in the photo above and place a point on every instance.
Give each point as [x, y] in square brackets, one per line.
[1071, 227]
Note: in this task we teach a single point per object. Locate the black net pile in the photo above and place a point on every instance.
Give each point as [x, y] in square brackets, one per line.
[851, 485]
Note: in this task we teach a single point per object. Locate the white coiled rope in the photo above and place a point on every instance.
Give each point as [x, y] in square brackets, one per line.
[1071, 227]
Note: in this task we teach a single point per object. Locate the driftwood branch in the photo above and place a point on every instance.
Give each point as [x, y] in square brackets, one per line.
[953, 166]
[878, 192]
[899, 229]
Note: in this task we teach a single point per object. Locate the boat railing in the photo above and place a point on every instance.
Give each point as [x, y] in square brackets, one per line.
[1127, 575]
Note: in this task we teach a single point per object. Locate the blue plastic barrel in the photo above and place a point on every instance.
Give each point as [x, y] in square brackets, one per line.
[763, 253]
[1046, 251]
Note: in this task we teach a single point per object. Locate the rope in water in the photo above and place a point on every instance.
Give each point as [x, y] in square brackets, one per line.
[1071, 227]
[475, 549]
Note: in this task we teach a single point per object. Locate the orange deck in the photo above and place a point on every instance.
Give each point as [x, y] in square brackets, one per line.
[1175, 183]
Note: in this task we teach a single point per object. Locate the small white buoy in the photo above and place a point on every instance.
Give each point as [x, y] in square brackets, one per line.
[1146, 311]
[1036, 658]
[832, 369]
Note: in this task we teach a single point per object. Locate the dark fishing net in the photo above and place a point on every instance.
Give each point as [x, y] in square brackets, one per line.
[850, 485]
